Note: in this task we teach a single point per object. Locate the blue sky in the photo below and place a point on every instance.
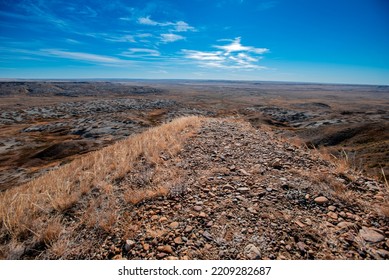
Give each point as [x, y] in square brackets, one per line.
[335, 41]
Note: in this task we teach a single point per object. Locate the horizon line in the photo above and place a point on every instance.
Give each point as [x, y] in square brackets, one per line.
[188, 79]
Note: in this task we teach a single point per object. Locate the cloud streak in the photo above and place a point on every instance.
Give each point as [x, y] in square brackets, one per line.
[141, 52]
[233, 56]
[81, 56]
[170, 37]
[178, 26]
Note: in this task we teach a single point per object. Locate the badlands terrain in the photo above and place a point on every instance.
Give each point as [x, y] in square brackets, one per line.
[193, 170]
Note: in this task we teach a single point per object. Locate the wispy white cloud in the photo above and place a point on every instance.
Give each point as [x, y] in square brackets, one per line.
[236, 46]
[148, 21]
[204, 56]
[231, 56]
[182, 26]
[141, 52]
[72, 41]
[81, 56]
[121, 38]
[178, 26]
[170, 37]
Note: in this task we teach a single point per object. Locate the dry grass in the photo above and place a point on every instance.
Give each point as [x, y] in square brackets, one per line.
[38, 204]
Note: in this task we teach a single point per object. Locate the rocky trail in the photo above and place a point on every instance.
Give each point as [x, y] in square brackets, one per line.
[234, 192]
[243, 194]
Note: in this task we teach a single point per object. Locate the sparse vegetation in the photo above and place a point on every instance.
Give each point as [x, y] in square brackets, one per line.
[40, 204]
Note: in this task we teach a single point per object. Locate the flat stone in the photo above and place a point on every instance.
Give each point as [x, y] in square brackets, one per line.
[178, 240]
[243, 190]
[370, 235]
[345, 225]
[321, 200]
[188, 229]
[161, 255]
[332, 215]
[252, 252]
[174, 225]
[203, 215]
[332, 208]
[198, 208]
[244, 172]
[129, 245]
[300, 224]
[165, 249]
[228, 187]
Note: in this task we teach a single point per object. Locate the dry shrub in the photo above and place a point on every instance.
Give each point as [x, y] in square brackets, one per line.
[52, 232]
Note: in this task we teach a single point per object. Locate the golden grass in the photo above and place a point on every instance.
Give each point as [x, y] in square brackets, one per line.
[32, 210]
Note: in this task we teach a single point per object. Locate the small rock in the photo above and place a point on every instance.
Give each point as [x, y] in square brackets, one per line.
[300, 224]
[165, 249]
[178, 240]
[161, 255]
[188, 229]
[243, 190]
[370, 235]
[202, 215]
[252, 252]
[172, 258]
[232, 167]
[198, 208]
[174, 225]
[332, 208]
[207, 246]
[345, 225]
[321, 200]
[244, 172]
[146, 247]
[118, 257]
[342, 214]
[129, 245]
[209, 224]
[163, 219]
[332, 215]
[301, 246]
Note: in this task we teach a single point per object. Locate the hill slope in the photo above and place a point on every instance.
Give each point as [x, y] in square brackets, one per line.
[198, 189]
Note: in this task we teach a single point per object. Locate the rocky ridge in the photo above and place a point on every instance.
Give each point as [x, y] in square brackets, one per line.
[244, 194]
